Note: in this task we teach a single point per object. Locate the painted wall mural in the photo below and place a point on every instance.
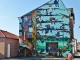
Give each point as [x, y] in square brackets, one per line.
[48, 29]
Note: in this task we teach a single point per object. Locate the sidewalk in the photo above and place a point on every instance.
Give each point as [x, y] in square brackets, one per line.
[33, 58]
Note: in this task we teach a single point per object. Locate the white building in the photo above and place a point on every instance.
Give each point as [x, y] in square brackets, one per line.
[74, 44]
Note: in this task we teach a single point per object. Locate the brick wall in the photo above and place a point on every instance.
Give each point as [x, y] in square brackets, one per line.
[13, 47]
[2, 49]
[2, 39]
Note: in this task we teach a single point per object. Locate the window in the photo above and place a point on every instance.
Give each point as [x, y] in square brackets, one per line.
[29, 34]
[20, 33]
[30, 29]
[25, 18]
[20, 20]
[20, 27]
[29, 23]
[20, 30]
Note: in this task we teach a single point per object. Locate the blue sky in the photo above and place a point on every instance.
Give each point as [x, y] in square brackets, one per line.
[11, 9]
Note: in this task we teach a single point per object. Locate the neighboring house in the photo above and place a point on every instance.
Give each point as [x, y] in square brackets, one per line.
[78, 46]
[48, 28]
[74, 46]
[78, 49]
[8, 44]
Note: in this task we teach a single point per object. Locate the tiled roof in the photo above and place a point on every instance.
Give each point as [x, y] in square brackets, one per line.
[8, 34]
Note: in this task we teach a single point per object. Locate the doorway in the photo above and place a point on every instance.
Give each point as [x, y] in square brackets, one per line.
[51, 47]
[8, 50]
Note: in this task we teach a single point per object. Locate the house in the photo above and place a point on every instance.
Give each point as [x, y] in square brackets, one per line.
[8, 44]
[74, 46]
[47, 29]
[78, 49]
[78, 46]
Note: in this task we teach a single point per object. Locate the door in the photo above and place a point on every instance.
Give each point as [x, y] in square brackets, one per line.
[8, 50]
[51, 47]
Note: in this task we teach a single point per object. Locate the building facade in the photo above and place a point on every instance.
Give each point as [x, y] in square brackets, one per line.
[78, 46]
[8, 44]
[78, 49]
[47, 30]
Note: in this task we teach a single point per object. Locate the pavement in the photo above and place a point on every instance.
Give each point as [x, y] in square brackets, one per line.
[32, 58]
[36, 58]
[76, 58]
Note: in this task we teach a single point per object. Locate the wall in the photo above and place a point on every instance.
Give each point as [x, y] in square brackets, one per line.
[78, 46]
[14, 46]
[50, 23]
[2, 48]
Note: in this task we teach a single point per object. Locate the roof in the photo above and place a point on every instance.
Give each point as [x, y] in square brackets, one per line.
[8, 34]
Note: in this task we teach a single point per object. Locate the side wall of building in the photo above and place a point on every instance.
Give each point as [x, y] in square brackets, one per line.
[13, 47]
[48, 24]
[2, 47]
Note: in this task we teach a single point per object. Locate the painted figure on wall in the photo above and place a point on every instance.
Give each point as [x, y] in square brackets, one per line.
[52, 20]
[47, 29]
[38, 36]
[50, 11]
[39, 19]
[60, 52]
[56, 3]
[62, 27]
[40, 27]
[58, 36]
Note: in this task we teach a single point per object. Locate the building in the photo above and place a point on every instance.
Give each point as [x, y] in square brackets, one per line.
[77, 54]
[78, 46]
[8, 44]
[74, 46]
[47, 29]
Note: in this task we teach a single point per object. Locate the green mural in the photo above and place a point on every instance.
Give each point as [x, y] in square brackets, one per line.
[49, 28]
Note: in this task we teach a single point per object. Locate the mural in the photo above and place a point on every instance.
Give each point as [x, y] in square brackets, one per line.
[47, 29]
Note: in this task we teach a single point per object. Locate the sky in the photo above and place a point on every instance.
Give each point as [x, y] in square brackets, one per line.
[10, 10]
